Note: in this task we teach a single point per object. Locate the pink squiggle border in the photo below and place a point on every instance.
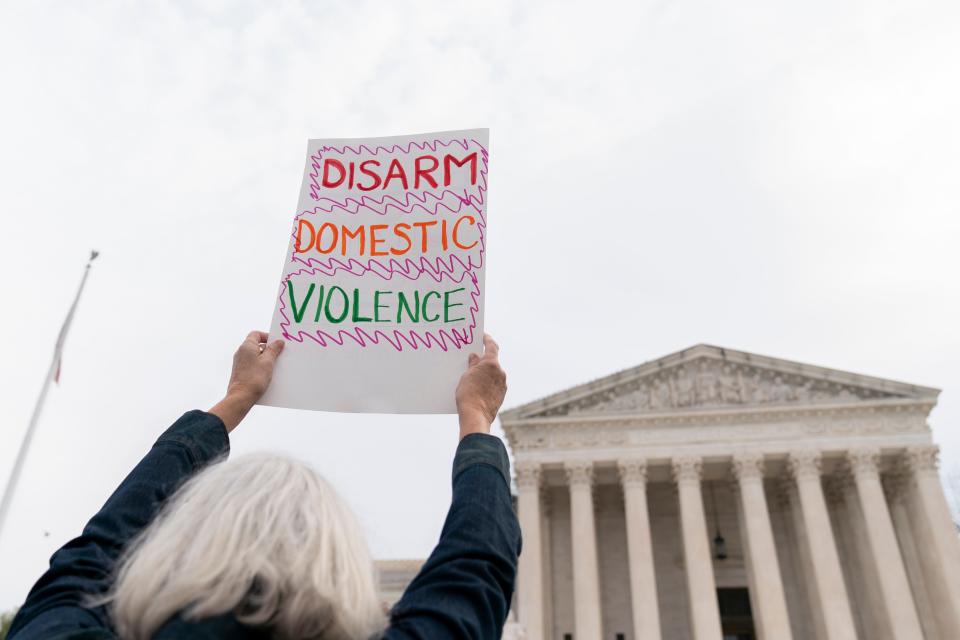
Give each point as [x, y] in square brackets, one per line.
[332, 265]
[443, 338]
[404, 148]
[396, 338]
[411, 203]
[436, 269]
[381, 205]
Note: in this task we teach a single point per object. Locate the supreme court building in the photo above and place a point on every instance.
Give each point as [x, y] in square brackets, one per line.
[717, 494]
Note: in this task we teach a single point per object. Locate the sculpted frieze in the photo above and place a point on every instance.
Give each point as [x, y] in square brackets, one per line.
[708, 382]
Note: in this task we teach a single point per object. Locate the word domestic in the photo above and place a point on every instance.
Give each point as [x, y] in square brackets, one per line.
[369, 175]
[334, 304]
[386, 239]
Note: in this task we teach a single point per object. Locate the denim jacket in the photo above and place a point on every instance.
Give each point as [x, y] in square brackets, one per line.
[463, 590]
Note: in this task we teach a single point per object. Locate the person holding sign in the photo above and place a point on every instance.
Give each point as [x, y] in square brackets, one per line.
[381, 294]
[193, 546]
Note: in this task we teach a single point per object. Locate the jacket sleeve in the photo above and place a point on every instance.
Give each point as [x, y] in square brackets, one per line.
[84, 566]
[465, 587]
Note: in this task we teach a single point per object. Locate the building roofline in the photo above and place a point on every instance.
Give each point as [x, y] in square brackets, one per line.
[696, 351]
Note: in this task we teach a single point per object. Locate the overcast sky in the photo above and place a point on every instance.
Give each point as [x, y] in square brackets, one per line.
[776, 177]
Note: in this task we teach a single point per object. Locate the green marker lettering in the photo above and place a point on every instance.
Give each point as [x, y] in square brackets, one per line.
[298, 314]
[346, 305]
[316, 316]
[377, 306]
[426, 299]
[356, 307]
[447, 305]
[404, 303]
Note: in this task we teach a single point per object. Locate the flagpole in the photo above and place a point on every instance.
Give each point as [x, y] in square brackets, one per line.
[38, 408]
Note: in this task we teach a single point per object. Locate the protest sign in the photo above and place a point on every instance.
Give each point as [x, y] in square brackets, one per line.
[381, 295]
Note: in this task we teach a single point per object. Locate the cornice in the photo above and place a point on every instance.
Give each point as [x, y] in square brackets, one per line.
[893, 417]
[712, 415]
[735, 430]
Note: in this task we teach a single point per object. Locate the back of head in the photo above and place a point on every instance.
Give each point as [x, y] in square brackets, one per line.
[262, 536]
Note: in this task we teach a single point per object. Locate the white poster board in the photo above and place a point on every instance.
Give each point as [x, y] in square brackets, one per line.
[381, 296]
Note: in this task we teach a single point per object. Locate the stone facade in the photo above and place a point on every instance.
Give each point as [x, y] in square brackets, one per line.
[821, 483]
[395, 575]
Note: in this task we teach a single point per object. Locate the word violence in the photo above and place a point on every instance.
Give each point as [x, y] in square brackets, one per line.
[334, 304]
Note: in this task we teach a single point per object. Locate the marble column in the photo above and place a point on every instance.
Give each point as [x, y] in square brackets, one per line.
[643, 581]
[898, 606]
[936, 537]
[863, 581]
[701, 587]
[766, 585]
[830, 590]
[547, 556]
[530, 591]
[586, 573]
[808, 619]
[895, 486]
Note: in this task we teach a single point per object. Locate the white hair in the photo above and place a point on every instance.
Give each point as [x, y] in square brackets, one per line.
[262, 536]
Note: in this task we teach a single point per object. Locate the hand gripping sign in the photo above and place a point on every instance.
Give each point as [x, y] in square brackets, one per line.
[381, 295]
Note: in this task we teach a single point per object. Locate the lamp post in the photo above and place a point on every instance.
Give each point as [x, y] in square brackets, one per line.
[719, 543]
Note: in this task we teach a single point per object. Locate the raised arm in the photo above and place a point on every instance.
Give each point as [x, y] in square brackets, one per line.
[465, 587]
[83, 567]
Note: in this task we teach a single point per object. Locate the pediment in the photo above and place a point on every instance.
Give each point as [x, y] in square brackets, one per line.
[706, 377]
